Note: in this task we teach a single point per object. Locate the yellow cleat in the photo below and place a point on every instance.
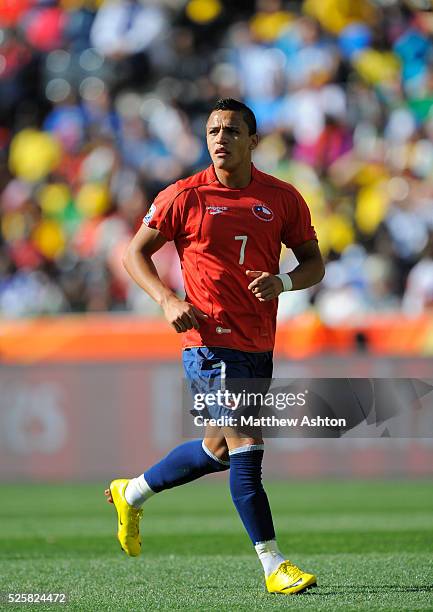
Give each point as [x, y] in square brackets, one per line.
[128, 518]
[288, 578]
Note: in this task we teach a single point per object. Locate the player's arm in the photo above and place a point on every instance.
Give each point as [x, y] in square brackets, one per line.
[309, 271]
[138, 263]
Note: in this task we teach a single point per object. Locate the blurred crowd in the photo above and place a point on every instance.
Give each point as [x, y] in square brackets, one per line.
[104, 102]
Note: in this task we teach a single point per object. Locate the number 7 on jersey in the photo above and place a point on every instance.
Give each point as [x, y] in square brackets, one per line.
[243, 245]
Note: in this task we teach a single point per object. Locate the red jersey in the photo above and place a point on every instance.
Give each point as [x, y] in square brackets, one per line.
[220, 233]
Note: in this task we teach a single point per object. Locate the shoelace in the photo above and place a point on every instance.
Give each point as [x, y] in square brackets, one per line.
[291, 570]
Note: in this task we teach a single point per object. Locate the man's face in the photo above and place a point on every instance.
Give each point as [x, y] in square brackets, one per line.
[228, 140]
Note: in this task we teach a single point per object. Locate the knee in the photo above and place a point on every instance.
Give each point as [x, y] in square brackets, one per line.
[218, 447]
[236, 444]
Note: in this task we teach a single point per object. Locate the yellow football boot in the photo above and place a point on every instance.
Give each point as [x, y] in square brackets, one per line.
[128, 518]
[288, 578]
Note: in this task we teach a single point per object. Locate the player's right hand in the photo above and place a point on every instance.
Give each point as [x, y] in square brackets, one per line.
[182, 315]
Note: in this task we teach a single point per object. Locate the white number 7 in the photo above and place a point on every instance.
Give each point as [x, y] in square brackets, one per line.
[242, 253]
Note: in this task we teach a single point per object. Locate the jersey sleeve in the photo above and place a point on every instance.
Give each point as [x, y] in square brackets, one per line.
[297, 227]
[164, 214]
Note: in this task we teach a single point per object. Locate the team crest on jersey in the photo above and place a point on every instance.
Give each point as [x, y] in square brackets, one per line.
[216, 210]
[262, 212]
[149, 214]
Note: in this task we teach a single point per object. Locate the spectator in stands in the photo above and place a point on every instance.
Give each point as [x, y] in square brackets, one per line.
[102, 104]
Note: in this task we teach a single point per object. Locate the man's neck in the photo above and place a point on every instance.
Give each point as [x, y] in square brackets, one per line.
[237, 179]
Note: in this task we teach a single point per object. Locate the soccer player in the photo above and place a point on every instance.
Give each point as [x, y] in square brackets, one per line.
[228, 223]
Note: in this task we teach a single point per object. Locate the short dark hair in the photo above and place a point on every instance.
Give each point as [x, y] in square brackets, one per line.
[240, 107]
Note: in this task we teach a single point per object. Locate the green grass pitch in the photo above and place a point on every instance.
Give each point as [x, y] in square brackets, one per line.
[370, 544]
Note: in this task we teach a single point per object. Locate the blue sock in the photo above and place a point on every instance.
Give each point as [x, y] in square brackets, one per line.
[183, 464]
[248, 493]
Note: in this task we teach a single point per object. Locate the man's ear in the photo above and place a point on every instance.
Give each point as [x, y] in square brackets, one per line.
[254, 142]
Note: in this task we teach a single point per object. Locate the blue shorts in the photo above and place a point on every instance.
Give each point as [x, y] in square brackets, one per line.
[212, 369]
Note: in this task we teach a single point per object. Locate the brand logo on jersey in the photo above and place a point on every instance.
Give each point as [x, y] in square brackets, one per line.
[216, 210]
[262, 212]
[149, 214]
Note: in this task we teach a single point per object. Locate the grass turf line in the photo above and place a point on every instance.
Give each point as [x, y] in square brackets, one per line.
[370, 543]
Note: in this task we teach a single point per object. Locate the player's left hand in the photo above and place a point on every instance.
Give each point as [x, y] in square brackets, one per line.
[265, 286]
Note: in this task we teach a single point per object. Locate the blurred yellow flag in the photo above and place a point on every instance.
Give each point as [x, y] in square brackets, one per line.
[203, 11]
[377, 67]
[49, 238]
[371, 207]
[268, 26]
[340, 232]
[93, 200]
[54, 198]
[33, 154]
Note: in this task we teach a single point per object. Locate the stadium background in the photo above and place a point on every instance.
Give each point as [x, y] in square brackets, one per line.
[104, 103]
